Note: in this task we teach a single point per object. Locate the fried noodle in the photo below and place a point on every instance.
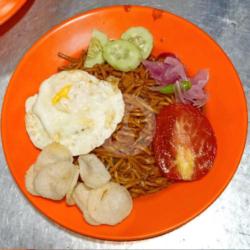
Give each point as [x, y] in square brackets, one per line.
[128, 154]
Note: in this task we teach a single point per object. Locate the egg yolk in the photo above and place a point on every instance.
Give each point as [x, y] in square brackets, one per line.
[62, 93]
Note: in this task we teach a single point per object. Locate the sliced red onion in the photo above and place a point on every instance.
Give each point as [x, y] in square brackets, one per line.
[168, 71]
[175, 70]
[171, 70]
[179, 93]
[201, 78]
[164, 55]
[196, 95]
[156, 69]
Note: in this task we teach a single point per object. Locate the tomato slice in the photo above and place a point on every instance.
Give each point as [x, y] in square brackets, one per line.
[184, 143]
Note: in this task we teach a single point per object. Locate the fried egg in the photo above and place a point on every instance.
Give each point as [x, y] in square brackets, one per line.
[74, 109]
[35, 129]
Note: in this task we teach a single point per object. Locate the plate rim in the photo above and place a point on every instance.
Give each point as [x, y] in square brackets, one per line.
[12, 11]
[120, 238]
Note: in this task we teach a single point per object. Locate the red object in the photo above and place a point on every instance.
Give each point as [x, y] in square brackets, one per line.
[184, 143]
[163, 55]
[8, 8]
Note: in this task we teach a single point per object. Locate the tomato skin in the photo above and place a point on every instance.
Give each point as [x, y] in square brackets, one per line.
[183, 128]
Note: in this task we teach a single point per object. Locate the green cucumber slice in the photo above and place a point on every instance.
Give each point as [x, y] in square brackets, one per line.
[141, 37]
[122, 55]
[95, 49]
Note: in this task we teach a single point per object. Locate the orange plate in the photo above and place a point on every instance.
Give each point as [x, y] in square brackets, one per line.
[226, 109]
[8, 8]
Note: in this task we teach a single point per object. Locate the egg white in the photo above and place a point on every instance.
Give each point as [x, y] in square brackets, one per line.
[80, 118]
[34, 127]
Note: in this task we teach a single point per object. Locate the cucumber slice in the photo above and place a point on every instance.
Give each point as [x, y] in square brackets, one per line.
[141, 37]
[122, 55]
[95, 49]
[102, 37]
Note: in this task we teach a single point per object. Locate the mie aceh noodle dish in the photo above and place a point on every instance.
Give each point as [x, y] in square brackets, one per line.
[117, 123]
